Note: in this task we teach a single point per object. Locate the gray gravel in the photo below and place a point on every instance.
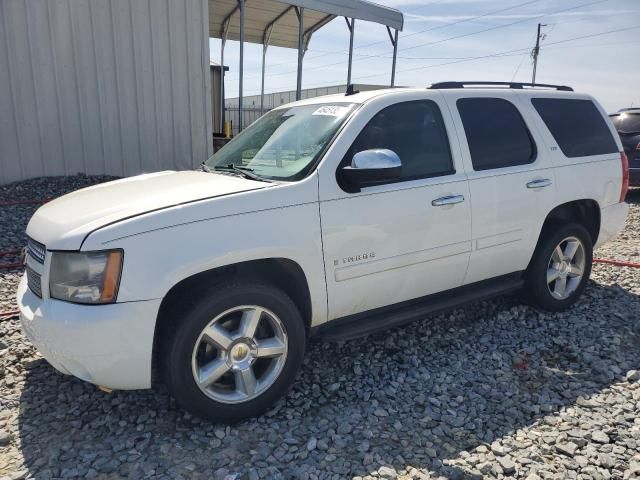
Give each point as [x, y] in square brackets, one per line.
[494, 390]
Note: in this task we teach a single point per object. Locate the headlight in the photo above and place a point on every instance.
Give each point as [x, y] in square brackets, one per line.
[85, 277]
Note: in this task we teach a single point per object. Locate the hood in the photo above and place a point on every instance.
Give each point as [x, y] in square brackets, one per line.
[64, 222]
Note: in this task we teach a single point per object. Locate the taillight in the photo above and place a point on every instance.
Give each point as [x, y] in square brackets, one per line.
[625, 176]
[638, 146]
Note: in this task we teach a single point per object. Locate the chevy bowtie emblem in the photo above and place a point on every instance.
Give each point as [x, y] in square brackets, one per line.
[23, 256]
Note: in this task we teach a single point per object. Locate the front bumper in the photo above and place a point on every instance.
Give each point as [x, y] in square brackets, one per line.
[612, 220]
[108, 345]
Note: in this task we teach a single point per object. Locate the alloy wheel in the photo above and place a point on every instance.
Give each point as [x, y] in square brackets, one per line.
[566, 268]
[239, 354]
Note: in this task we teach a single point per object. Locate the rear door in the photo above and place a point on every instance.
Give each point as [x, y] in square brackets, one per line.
[511, 180]
[583, 145]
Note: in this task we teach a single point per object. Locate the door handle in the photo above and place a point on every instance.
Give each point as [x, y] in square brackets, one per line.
[448, 200]
[544, 182]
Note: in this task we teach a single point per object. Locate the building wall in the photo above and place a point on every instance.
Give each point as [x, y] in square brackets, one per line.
[113, 87]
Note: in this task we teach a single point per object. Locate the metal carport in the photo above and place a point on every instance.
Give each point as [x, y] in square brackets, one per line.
[291, 24]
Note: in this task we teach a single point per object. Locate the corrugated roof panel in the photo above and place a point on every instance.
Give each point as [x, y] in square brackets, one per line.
[260, 13]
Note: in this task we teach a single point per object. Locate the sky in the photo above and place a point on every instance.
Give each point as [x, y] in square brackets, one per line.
[591, 45]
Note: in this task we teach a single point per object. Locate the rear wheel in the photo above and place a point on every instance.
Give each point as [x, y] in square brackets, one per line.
[235, 352]
[560, 267]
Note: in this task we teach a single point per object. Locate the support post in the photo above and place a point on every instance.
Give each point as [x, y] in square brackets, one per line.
[223, 41]
[264, 57]
[351, 24]
[300, 14]
[223, 35]
[266, 38]
[265, 44]
[394, 42]
[241, 67]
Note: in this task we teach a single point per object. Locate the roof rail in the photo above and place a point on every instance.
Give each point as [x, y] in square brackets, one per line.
[516, 85]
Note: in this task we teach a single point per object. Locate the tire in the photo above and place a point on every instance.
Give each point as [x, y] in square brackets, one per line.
[225, 350]
[544, 266]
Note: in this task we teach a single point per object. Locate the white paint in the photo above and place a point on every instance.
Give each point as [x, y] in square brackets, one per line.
[358, 251]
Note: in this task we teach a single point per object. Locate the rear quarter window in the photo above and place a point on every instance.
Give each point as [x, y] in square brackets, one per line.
[577, 126]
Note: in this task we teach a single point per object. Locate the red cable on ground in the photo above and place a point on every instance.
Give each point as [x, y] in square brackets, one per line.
[618, 263]
[9, 313]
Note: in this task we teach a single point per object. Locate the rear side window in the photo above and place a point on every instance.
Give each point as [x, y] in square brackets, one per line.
[416, 132]
[496, 133]
[576, 125]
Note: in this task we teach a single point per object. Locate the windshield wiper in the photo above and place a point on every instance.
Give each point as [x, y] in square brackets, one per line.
[243, 171]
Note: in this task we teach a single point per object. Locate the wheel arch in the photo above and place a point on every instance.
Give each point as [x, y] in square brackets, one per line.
[585, 212]
[283, 273]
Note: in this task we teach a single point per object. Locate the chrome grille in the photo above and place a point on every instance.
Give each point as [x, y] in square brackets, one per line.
[34, 281]
[36, 250]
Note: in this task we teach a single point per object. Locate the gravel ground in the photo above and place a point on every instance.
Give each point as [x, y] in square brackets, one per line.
[494, 390]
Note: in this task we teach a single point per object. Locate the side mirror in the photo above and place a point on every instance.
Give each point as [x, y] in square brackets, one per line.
[370, 167]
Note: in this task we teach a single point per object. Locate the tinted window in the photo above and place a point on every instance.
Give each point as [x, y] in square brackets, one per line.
[626, 122]
[496, 133]
[576, 125]
[415, 131]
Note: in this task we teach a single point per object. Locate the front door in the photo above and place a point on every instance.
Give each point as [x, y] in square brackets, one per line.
[398, 241]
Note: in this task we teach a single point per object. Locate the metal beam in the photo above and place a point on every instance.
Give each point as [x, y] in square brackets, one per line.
[394, 42]
[241, 68]
[315, 27]
[351, 25]
[223, 37]
[265, 45]
[266, 37]
[275, 20]
[300, 14]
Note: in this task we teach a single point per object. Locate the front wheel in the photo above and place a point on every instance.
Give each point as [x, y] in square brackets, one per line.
[560, 267]
[235, 353]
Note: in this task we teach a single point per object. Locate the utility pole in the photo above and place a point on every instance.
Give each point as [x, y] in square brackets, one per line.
[536, 51]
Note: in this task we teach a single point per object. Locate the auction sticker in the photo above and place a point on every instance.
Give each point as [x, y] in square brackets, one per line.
[332, 110]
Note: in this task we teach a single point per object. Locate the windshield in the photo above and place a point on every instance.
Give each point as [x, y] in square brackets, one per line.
[283, 143]
[626, 122]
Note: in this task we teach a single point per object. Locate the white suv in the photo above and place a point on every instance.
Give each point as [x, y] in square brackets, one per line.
[335, 217]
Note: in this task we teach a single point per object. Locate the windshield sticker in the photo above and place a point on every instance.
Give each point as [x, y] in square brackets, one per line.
[332, 110]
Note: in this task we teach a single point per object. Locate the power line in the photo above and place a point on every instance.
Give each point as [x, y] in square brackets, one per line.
[506, 53]
[403, 36]
[497, 27]
[455, 37]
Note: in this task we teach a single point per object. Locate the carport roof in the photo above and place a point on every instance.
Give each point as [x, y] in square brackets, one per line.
[280, 17]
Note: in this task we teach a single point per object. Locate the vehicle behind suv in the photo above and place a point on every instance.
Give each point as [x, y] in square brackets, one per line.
[331, 217]
[627, 123]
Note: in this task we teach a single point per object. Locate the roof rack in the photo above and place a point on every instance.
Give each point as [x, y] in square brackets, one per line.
[516, 85]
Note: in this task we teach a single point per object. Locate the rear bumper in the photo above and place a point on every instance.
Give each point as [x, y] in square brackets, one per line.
[108, 345]
[634, 177]
[612, 220]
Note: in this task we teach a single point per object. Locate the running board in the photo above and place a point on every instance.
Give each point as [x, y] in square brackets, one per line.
[366, 323]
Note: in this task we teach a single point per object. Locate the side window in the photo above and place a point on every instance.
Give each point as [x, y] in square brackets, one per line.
[416, 132]
[496, 133]
[576, 125]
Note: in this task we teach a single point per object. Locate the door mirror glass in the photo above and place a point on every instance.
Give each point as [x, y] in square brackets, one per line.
[369, 167]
